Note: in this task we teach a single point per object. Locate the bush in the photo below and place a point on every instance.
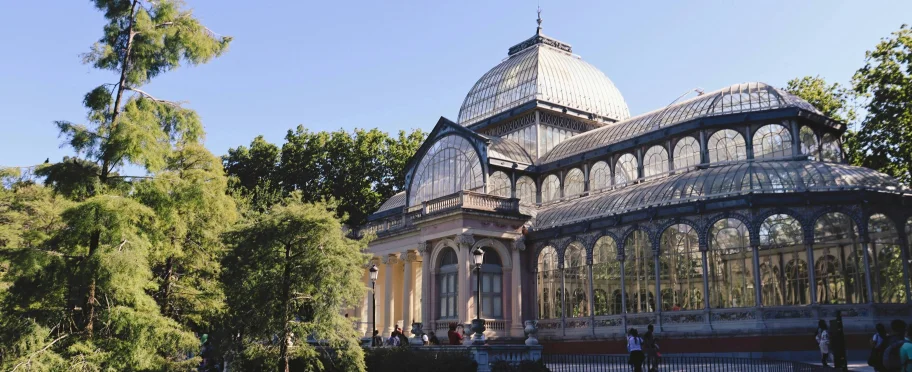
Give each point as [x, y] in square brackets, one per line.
[524, 366]
[406, 359]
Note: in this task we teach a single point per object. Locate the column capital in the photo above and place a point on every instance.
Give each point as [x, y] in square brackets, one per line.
[519, 244]
[464, 241]
[412, 256]
[423, 247]
[391, 259]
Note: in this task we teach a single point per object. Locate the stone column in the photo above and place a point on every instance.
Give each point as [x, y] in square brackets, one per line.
[425, 277]
[516, 288]
[389, 315]
[408, 289]
[464, 242]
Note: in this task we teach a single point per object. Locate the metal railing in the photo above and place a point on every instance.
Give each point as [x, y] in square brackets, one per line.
[619, 363]
[456, 201]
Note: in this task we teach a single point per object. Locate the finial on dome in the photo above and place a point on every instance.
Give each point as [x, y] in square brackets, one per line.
[539, 21]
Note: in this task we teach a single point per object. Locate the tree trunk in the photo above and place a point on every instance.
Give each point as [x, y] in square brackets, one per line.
[166, 287]
[107, 163]
[286, 303]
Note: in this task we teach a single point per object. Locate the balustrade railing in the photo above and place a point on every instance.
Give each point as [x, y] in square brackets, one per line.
[460, 200]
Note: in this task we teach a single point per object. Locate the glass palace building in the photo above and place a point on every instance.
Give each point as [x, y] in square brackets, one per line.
[731, 213]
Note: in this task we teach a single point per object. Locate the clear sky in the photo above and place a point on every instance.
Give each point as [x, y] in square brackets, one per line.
[402, 64]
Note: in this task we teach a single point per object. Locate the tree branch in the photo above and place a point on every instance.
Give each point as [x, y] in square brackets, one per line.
[29, 360]
[149, 96]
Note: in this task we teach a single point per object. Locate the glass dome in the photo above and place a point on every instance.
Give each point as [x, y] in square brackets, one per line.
[543, 69]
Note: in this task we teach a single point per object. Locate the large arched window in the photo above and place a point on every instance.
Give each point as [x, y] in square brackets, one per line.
[491, 285]
[606, 277]
[731, 265]
[839, 269]
[449, 166]
[548, 281]
[499, 184]
[726, 145]
[576, 281]
[785, 282]
[655, 162]
[681, 269]
[686, 153]
[888, 278]
[809, 143]
[830, 149]
[526, 190]
[599, 175]
[447, 285]
[639, 273]
[574, 182]
[550, 189]
[625, 170]
[772, 141]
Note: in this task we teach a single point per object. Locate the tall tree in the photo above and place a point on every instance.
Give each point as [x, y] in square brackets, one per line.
[886, 79]
[835, 101]
[290, 273]
[88, 302]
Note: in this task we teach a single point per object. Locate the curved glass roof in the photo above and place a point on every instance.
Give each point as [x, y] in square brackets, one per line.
[738, 98]
[717, 182]
[543, 72]
[505, 149]
[395, 201]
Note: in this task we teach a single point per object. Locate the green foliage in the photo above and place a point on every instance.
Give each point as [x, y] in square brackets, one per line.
[359, 170]
[405, 359]
[290, 273]
[886, 78]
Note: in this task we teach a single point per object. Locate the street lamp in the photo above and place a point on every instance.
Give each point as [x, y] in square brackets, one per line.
[374, 272]
[478, 325]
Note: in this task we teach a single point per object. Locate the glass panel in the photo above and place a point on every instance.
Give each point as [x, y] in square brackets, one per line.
[772, 141]
[726, 145]
[550, 189]
[639, 273]
[449, 166]
[655, 162]
[486, 283]
[497, 286]
[731, 265]
[526, 190]
[783, 262]
[888, 284]
[838, 261]
[625, 170]
[548, 284]
[830, 149]
[686, 153]
[499, 184]
[599, 176]
[574, 182]
[681, 270]
[498, 306]
[606, 277]
[576, 281]
[809, 143]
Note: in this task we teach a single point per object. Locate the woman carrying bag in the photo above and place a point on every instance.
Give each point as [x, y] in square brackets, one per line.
[635, 348]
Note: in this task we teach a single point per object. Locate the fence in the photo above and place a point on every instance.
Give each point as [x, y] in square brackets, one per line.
[618, 363]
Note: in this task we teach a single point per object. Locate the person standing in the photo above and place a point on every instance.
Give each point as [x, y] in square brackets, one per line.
[891, 359]
[905, 352]
[433, 339]
[877, 347]
[635, 348]
[651, 349]
[454, 336]
[823, 341]
[376, 340]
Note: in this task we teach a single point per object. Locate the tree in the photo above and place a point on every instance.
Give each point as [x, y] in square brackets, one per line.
[290, 274]
[359, 170]
[84, 300]
[834, 101]
[886, 79]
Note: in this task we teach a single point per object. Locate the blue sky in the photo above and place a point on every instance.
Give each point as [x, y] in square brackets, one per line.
[402, 64]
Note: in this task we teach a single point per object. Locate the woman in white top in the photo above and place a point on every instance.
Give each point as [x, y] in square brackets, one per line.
[823, 340]
[635, 348]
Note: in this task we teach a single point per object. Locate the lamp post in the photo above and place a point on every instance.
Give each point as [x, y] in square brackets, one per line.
[374, 272]
[478, 325]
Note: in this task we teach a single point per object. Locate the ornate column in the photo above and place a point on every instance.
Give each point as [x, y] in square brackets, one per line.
[812, 280]
[867, 263]
[516, 288]
[388, 314]
[464, 242]
[425, 277]
[658, 285]
[758, 290]
[408, 289]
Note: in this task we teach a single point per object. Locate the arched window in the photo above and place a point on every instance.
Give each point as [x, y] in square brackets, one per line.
[726, 145]
[686, 153]
[839, 266]
[888, 278]
[499, 184]
[625, 170]
[809, 143]
[606, 276]
[655, 162]
[491, 285]
[574, 182]
[548, 280]
[731, 265]
[599, 175]
[449, 166]
[447, 285]
[772, 141]
[550, 189]
[781, 246]
[639, 273]
[526, 190]
[576, 281]
[830, 149]
[681, 269]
